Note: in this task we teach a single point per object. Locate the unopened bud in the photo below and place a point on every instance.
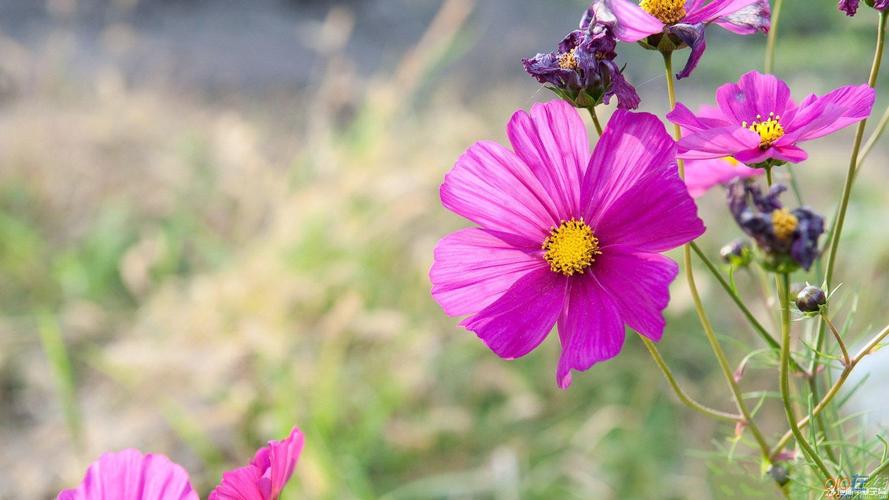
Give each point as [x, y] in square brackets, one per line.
[738, 253]
[811, 299]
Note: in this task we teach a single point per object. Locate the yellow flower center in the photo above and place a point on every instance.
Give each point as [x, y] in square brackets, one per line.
[784, 223]
[568, 60]
[769, 130]
[667, 11]
[571, 248]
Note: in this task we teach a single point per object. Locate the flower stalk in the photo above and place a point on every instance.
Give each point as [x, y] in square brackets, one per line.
[696, 297]
[786, 398]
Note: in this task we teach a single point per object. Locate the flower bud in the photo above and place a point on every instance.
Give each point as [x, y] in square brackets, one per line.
[779, 474]
[811, 299]
[738, 253]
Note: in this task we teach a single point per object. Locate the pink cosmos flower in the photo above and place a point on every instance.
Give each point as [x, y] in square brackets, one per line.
[756, 120]
[564, 237]
[264, 478]
[132, 475]
[684, 21]
[702, 175]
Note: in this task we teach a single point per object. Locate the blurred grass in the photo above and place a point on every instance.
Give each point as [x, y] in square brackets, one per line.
[218, 272]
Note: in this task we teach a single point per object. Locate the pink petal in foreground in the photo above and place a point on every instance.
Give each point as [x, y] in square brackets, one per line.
[519, 320]
[552, 140]
[820, 116]
[494, 188]
[267, 474]
[716, 9]
[131, 475]
[640, 286]
[656, 215]
[754, 95]
[474, 267]
[718, 143]
[632, 146]
[590, 329]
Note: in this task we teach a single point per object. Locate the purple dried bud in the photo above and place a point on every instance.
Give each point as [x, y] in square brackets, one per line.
[779, 474]
[811, 299]
[582, 71]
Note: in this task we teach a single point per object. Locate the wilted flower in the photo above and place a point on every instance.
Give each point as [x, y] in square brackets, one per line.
[811, 299]
[850, 7]
[789, 239]
[667, 25]
[564, 237]
[132, 475]
[756, 120]
[701, 175]
[582, 71]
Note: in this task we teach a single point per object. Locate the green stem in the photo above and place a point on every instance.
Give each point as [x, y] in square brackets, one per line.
[872, 140]
[696, 297]
[757, 326]
[60, 364]
[595, 117]
[773, 36]
[784, 292]
[834, 390]
[838, 337]
[837, 225]
[680, 393]
[769, 175]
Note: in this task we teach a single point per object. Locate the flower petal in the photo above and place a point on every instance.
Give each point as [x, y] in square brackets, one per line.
[716, 9]
[493, 187]
[693, 36]
[820, 116]
[632, 145]
[239, 484]
[266, 475]
[718, 143]
[684, 117]
[474, 267]
[755, 95]
[756, 17]
[627, 20]
[552, 140]
[519, 320]
[655, 215]
[590, 329]
[640, 286]
[702, 175]
[131, 475]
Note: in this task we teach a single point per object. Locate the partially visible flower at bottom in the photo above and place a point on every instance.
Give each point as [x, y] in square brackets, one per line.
[133, 475]
[850, 7]
[564, 238]
[788, 239]
[701, 175]
[264, 478]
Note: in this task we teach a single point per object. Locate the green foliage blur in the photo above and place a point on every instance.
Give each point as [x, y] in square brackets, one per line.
[194, 272]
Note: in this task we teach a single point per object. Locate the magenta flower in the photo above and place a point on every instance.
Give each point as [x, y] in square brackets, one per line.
[756, 120]
[264, 478]
[564, 237]
[702, 175]
[132, 475]
[682, 22]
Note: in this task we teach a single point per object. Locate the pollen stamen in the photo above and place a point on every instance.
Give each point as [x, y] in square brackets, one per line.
[784, 223]
[667, 11]
[769, 130]
[571, 248]
[568, 60]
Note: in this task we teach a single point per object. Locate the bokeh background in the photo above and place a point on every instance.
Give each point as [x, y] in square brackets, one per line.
[217, 218]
